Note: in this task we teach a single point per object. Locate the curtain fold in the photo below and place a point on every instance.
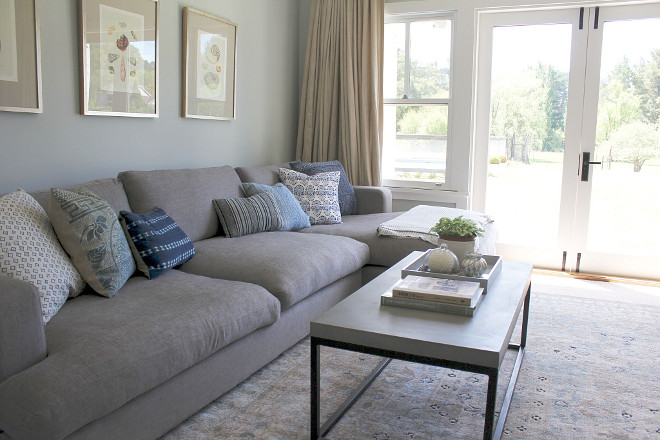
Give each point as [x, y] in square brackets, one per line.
[341, 108]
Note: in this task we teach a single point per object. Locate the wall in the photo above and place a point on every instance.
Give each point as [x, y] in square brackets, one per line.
[61, 147]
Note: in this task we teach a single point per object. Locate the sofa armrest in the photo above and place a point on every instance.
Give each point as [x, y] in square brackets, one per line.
[22, 337]
[373, 199]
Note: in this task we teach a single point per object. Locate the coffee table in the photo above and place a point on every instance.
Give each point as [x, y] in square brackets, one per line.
[475, 344]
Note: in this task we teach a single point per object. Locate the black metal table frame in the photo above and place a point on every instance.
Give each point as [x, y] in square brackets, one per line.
[318, 431]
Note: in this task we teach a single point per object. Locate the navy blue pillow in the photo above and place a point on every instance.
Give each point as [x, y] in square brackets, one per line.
[157, 242]
[347, 200]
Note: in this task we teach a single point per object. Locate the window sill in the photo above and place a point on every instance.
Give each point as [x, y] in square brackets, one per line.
[430, 196]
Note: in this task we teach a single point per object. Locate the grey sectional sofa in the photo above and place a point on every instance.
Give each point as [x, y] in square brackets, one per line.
[135, 365]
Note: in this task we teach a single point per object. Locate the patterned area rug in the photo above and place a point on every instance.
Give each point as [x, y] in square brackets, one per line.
[591, 371]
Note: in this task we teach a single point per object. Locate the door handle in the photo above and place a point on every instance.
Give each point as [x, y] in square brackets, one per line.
[586, 161]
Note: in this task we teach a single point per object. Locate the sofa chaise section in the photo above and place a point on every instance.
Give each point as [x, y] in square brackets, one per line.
[102, 353]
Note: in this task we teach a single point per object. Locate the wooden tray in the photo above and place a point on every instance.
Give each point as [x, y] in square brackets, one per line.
[492, 271]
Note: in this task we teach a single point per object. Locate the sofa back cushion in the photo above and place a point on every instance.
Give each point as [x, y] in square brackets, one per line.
[266, 175]
[111, 190]
[185, 194]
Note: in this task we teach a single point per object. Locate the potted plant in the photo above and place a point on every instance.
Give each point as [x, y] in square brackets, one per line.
[458, 233]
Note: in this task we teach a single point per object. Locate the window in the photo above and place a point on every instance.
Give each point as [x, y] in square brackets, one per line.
[417, 99]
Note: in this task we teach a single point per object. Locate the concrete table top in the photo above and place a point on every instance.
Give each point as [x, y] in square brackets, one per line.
[479, 340]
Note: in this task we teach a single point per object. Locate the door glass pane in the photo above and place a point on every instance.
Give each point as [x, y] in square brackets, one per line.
[394, 60]
[430, 51]
[624, 216]
[529, 90]
[415, 142]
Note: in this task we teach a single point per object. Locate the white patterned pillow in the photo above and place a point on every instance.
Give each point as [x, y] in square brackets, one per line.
[317, 194]
[29, 251]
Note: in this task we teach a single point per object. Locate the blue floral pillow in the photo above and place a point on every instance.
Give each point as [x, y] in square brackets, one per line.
[293, 216]
[317, 194]
[346, 194]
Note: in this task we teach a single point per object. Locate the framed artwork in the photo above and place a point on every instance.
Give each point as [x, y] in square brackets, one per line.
[119, 57]
[209, 66]
[20, 58]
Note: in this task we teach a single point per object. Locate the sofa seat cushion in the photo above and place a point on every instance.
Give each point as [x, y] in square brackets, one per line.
[385, 251]
[103, 352]
[289, 265]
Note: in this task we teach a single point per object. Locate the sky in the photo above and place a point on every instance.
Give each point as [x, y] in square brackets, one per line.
[517, 47]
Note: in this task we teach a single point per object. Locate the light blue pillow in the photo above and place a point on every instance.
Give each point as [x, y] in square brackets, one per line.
[292, 213]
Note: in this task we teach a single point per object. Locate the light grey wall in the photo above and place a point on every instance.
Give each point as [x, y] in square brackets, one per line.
[61, 147]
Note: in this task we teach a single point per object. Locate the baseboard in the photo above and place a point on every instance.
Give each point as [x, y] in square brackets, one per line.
[597, 277]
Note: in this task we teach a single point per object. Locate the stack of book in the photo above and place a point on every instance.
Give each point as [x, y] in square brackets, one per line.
[435, 295]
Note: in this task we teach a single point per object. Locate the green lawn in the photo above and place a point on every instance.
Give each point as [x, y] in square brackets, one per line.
[625, 207]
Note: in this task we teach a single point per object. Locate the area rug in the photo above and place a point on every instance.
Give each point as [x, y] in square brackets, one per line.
[591, 371]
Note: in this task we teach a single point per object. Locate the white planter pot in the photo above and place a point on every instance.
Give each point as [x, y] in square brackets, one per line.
[460, 247]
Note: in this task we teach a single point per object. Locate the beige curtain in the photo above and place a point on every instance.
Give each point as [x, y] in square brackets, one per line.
[341, 108]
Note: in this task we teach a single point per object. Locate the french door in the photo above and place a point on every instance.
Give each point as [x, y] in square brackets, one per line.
[567, 125]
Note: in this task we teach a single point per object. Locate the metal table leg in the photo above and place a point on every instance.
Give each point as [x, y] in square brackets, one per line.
[316, 389]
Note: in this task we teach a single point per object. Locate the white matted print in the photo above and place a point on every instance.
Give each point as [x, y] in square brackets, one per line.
[119, 57]
[211, 66]
[121, 63]
[8, 56]
[209, 57]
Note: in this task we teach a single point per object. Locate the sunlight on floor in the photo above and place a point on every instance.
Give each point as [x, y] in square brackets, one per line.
[629, 293]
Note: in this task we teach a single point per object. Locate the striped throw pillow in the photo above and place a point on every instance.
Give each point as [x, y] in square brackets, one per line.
[242, 216]
[293, 216]
[156, 240]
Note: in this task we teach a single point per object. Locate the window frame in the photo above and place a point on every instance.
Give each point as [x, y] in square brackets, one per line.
[407, 19]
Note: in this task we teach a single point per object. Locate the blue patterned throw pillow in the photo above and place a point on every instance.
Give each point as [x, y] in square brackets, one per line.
[317, 194]
[347, 200]
[293, 216]
[157, 241]
[242, 216]
[88, 228]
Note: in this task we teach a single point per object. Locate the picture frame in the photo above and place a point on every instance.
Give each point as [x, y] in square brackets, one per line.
[20, 57]
[209, 66]
[119, 57]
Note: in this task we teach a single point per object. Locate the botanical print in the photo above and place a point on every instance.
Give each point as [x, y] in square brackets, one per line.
[8, 58]
[121, 64]
[211, 66]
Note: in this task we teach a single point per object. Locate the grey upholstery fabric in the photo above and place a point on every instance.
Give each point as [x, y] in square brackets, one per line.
[111, 190]
[267, 175]
[373, 199]
[155, 412]
[385, 251]
[186, 195]
[289, 265]
[22, 339]
[104, 352]
[369, 272]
